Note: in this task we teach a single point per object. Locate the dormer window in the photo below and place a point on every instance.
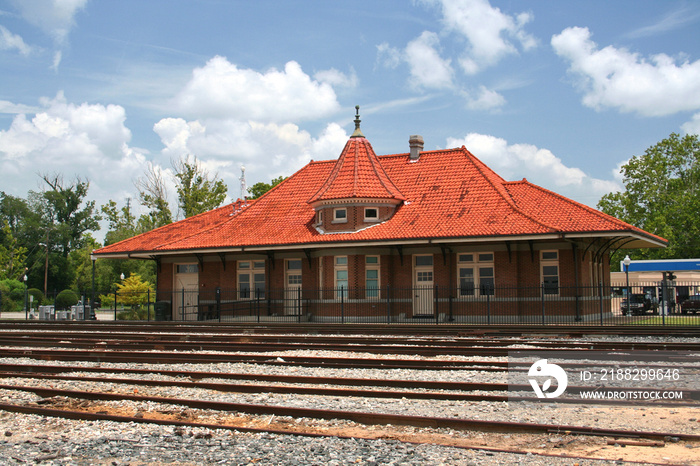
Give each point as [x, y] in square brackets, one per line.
[340, 215]
[319, 217]
[371, 214]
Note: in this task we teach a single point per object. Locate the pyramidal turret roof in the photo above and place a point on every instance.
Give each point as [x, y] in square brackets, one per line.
[358, 174]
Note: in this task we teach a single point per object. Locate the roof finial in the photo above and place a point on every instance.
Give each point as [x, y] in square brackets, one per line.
[358, 132]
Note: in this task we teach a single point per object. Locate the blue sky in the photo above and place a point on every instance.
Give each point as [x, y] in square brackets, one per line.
[559, 92]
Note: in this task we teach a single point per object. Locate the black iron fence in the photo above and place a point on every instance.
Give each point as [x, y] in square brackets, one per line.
[662, 303]
[651, 304]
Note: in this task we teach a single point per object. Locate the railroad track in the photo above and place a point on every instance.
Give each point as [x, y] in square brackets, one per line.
[141, 390]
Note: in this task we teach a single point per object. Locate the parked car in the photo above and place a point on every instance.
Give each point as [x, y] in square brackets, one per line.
[639, 304]
[692, 304]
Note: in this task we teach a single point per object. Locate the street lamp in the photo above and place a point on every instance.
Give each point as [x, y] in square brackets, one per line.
[627, 261]
[26, 309]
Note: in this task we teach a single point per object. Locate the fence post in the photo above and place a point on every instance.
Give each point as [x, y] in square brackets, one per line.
[183, 304]
[488, 309]
[148, 305]
[388, 305]
[298, 305]
[542, 293]
[115, 305]
[257, 303]
[600, 295]
[437, 306]
[342, 304]
[664, 300]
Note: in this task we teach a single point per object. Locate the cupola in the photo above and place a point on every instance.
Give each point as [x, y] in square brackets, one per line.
[358, 193]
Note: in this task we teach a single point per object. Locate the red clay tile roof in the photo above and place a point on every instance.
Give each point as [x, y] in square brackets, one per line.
[449, 194]
[357, 174]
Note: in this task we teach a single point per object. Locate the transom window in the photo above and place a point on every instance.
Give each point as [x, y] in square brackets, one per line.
[549, 268]
[475, 273]
[187, 268]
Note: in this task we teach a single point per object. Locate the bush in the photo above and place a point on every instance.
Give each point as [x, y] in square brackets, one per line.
[66, 299]
[135, 313]
[38, 296]
[12, 295]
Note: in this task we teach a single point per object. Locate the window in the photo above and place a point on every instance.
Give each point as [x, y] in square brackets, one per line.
[372, 284]
[251, 279]
[371, 214]
[549, 263]
[187, 268]
[341, 276]
[475, 273]
[340, 215]
[424, 261]
[319, 217]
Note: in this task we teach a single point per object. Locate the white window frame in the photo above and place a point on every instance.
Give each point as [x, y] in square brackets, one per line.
[551, 261]
[373, 293]
[319, 217]
[372, 219]
[337, 219]
[252, 270]
[477, 263]
[340, 265]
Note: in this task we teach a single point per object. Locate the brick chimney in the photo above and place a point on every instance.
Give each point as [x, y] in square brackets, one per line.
[415, 142]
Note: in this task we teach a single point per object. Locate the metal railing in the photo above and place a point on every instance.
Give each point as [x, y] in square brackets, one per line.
[655, 303]
[661, 304]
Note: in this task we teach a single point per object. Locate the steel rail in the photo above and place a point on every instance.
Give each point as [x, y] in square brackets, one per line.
[425, 350]
[162, 357]
[87, 338]
[346, 392]
[89, 416]
[361, 417]
[357, 328]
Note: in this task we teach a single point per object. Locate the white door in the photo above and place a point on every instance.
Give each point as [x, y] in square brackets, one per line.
[186, 289]
[423, 293]
[292, 287]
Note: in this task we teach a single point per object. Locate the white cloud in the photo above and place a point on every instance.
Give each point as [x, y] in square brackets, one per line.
[539, 166]
[9, 41]
[85, 140]
[427, 68]
[337, 79]
[692, 126]
[222, 90]
[55, 17]
[617, 78]
[267, 150]
[490, 33]
[388, 56]
[484, 99]
[11, 107]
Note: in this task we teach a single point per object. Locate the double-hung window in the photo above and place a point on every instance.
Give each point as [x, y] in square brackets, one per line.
[341, 276]
[475, 272]
[251, 279]
[372, 268]
[549, 268]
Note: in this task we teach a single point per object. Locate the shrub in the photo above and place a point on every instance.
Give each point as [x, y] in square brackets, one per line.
[135, 313]
[38, 296]
[66, 299]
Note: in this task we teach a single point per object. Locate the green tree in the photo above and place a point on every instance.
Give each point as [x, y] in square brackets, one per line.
[12, 254]
[68, 213]
[196, 192]
[662, 196]
[154, 196]
[260, 188]
[122, 224]
[134, 292]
